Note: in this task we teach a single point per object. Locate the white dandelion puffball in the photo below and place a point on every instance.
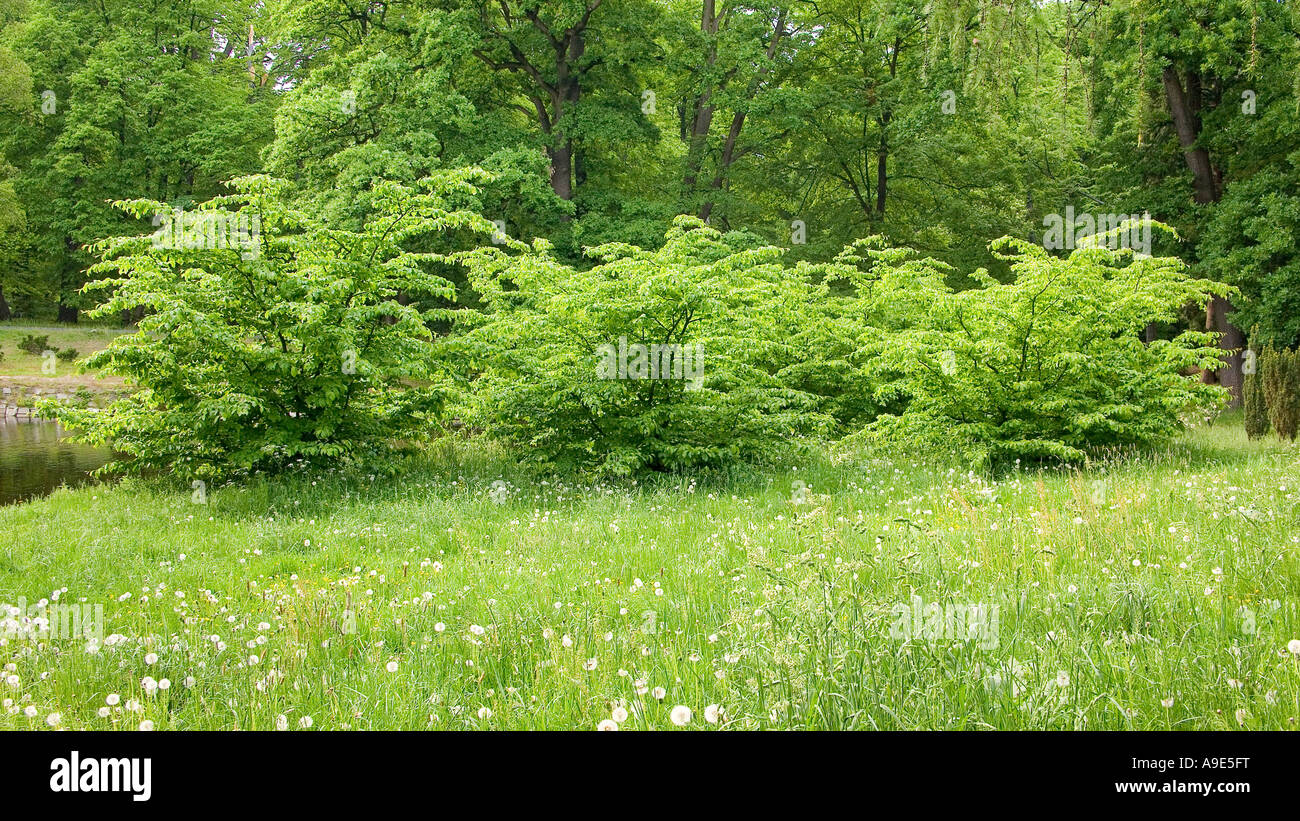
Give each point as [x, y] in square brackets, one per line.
[1294, 646]
[305, 722]
[681, 715]
[484, 713]
[619, 715]
[281, 723]
[150, 658]
[659, 693]
[391, 667]
[712, 713]
[607, 726]
[146, 725]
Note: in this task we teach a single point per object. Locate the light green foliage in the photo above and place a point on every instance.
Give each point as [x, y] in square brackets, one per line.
[302, 351]
[1049, 365]
[540, 351]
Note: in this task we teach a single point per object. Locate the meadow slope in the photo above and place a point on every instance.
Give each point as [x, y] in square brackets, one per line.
[1141, 593]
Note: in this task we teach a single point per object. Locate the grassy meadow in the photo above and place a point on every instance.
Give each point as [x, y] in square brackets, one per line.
[19, 363]
[1150, 592]
[25, 376]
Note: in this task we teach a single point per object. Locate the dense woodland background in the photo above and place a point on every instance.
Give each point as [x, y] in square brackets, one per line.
[939, 125]
[387, 460]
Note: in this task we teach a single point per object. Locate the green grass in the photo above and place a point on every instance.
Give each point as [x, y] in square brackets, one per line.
[1118, 588]
[19, 363]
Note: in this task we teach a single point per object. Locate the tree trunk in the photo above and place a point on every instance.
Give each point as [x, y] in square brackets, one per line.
[68, 313]
[1231, 339]
[702, 112]
[562, 169]
[5, 313]
[738, 120]
[882, 153]
[1187, 122]
[569, 47]
[1185, 109]
[728, 155]
[568, 93]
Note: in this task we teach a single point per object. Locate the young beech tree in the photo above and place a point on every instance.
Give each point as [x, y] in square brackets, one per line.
[1049, 365]
[582, 367]
[283, 343]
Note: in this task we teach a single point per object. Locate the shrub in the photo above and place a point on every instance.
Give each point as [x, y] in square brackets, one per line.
[1252, 393]
[296, 349]
[560, 373]
[67, 354]
[1280, 378]
[34, 345]
[1048, 365]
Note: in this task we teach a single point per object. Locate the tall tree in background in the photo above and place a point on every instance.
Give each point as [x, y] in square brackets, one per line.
[15, 97]
[939, 124]
[740, 53]
[127, 101]
[1214, 90]
[550, 54]
[520, 88]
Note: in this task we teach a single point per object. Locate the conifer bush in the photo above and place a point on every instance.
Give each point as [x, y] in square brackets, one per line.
[1280, 377]
[1252, 392]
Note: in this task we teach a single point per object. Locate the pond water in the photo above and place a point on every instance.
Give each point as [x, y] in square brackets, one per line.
[36, 458]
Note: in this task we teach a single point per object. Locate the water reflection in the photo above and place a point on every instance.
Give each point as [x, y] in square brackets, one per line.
[36, 458]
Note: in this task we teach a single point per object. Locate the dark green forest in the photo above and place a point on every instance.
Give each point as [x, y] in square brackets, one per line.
[938, 126]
